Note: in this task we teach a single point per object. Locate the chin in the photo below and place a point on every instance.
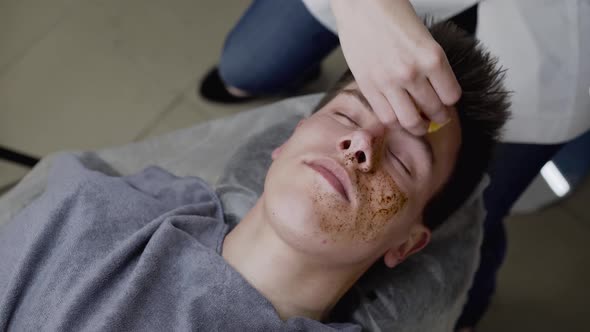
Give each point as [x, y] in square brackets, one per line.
[299, 219]
[294, 218]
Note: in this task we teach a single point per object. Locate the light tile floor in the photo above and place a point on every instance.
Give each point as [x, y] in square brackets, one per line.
[93, 73]
[543, 285]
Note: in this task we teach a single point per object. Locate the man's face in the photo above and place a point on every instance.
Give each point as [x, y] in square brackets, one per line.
[346, 188]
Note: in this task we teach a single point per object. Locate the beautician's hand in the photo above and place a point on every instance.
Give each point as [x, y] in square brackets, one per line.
[397, 64]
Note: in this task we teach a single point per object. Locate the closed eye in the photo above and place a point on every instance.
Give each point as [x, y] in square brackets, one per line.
[351, 121]
[401, 163]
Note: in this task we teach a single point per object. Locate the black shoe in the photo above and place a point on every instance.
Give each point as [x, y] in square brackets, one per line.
[213, 89]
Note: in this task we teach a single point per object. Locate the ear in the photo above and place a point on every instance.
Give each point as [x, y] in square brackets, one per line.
[418, 238]
[299, 123]
[275, 153]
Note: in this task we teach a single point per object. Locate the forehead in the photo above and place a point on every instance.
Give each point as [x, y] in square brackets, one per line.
[444, 143]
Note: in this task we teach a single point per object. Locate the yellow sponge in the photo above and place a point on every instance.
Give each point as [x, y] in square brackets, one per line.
[433, 126]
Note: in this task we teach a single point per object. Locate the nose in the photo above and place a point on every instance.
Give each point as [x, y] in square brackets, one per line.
[361, 148]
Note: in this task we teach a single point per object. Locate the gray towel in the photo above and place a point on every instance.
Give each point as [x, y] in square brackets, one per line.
[426, 293]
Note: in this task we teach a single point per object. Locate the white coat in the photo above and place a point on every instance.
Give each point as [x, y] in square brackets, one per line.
[544, 44]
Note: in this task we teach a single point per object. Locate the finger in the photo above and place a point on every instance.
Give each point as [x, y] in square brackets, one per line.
[428, 101]
[406, 112]
[380, 105]
[444, 83]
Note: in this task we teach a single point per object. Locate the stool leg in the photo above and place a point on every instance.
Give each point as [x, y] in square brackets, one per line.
[17, 157]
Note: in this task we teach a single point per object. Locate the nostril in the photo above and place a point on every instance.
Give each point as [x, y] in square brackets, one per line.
[360, 157]
[345, 145]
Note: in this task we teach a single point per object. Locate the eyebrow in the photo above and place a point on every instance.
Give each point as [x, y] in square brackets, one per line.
[421, 140]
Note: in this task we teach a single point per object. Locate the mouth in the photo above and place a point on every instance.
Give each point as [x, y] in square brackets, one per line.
[335, 174]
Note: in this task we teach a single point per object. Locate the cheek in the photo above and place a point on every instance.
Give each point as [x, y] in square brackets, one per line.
[287, 200]
[333, 214]
[380, 199]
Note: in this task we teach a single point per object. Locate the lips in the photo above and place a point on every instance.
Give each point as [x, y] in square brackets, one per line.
[335, 174]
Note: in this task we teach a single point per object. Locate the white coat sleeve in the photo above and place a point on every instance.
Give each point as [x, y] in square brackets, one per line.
[438, 10]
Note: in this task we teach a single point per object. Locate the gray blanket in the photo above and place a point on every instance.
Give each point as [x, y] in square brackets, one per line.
[136, 253]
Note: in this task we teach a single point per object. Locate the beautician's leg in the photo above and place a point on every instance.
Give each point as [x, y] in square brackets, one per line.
[513, 169]
[273, 46]
[276, 45]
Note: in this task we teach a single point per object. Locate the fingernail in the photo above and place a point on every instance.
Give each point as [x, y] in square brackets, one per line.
[440, 117]
[433, 126]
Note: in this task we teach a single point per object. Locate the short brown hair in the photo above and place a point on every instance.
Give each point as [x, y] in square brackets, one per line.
[482, 110]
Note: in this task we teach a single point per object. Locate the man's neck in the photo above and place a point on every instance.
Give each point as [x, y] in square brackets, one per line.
[293, 282]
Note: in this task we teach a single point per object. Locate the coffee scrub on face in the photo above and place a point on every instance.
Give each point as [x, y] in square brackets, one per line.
[379, 199]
